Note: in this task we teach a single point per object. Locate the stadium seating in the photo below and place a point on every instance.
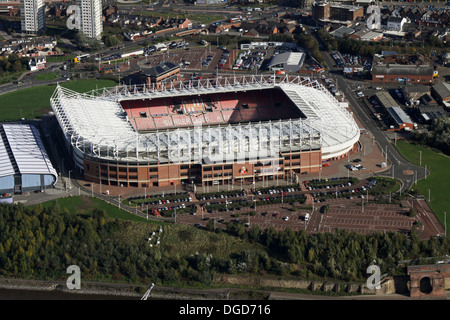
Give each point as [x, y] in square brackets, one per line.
[138, 108]
[214, 117]
[163, 122]
[246, 99]
[210, 109]
[175, 106]
[144, 123]
[181, 120]
[250, 114]
[263, 98]
[228, 101]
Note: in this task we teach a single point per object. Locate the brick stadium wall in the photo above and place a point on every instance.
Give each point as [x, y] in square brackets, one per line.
[439, 275]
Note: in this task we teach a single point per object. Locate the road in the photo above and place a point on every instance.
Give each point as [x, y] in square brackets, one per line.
[399, 167]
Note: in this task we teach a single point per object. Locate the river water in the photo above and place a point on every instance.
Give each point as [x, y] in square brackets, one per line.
[13, 294]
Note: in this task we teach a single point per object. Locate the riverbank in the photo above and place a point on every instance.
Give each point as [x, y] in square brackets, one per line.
[55, 290]
[39, 289]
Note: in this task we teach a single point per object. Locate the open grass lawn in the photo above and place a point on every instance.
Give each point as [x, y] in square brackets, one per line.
[33, 102]
[47, 76]
[84, 205]
[61, 58]
[438, 182]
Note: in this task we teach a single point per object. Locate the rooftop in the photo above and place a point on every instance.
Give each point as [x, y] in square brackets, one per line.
[399, 69]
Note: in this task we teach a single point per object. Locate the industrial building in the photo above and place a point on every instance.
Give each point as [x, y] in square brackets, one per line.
[403, 74]
[24, 163]
[287, 61]
[441, 92]
[402, 120]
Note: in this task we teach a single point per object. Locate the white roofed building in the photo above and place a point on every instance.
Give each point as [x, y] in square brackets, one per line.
[24, 163]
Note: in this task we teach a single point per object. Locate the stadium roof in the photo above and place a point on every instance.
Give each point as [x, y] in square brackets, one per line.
[97, 126]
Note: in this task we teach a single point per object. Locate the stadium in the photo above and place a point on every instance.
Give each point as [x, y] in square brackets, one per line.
[206, 132]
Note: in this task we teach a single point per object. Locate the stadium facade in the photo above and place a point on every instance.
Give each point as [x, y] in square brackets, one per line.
[208, 132]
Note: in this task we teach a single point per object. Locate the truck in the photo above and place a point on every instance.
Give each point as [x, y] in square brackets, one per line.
[80, 58]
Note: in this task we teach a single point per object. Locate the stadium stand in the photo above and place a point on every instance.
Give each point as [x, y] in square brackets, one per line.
[163, 121]
[181, 120]
[214, 117]
[250, 114]
[246, 99]
[228, 101]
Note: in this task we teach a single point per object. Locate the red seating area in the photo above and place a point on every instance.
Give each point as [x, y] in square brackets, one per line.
[263, 98]
[250, 114]
[193, 105]
[247, 98]
[144, 123]
[214, 117]
[181, 120]
[198, 119]
[228, 101]
[175, 105]
[163, 122]
[210, 109]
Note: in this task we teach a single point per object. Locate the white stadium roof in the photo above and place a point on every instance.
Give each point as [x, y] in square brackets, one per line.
[97, 126]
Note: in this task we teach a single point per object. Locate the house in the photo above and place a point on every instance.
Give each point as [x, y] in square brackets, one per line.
[395, 23]
[37, 63]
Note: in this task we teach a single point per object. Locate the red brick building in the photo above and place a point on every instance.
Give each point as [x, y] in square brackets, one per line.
[403, 74]
[429, 280]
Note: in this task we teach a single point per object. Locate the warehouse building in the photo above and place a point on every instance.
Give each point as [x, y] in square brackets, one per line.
[441, 92]
[403, 74]
[24, 163]
[402, 120]
[288, 61]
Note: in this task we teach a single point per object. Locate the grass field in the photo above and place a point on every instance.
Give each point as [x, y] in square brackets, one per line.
[47, 76]
[33, 102]
[438, 182]
[84, 206]
[60, 58]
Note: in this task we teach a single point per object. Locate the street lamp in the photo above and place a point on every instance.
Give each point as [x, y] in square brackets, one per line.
[70, 186]
[420, 157]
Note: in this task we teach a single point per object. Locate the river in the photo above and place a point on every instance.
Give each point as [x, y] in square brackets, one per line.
[14, 294]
